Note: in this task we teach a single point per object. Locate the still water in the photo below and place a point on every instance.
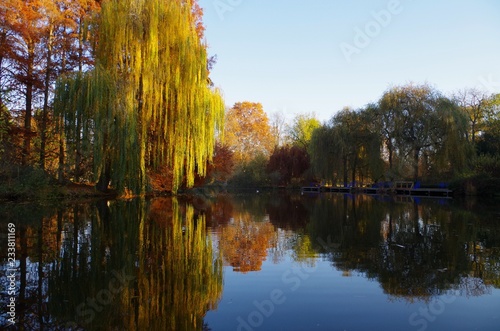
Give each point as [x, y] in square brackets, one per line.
[252, 262]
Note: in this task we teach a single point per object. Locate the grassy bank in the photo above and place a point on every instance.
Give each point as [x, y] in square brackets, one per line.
[30, 183]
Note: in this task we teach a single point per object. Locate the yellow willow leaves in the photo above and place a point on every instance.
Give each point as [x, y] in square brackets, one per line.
[149, 94]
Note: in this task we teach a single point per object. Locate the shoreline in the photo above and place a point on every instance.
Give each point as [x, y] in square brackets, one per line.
[470, 187]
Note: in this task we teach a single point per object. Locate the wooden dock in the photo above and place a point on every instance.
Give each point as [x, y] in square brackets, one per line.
[398, 188]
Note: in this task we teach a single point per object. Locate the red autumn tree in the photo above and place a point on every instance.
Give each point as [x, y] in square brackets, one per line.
[288, 162]
[221, 167]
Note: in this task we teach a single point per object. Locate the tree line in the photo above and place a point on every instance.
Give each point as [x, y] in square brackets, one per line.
[118, 94]
[413, 132]
[109, 92]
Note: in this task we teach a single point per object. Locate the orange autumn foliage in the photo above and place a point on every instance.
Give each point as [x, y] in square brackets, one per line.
[244, 243]
[247, 131]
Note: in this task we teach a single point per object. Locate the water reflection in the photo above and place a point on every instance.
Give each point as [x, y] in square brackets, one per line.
[158, 264]
[116, 265]
[415, 251]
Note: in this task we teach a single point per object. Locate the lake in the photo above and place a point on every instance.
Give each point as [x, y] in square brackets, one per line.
[265, 261]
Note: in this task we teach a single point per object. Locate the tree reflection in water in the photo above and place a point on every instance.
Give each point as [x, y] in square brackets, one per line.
[157, 264]
[116, 265]
[415, 251]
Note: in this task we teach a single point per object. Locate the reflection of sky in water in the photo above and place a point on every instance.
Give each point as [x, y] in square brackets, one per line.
[324, 298]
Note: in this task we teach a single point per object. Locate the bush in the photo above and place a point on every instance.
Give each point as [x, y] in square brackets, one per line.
[251, 174]
[26, 182]
[480, 184]
[487, 164]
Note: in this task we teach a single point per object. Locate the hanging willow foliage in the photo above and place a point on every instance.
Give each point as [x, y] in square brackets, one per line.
[148, 96]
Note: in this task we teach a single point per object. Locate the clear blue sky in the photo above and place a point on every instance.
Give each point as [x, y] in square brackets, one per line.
[299, 56]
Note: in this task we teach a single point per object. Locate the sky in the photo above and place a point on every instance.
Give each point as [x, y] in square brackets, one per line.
[319, 56]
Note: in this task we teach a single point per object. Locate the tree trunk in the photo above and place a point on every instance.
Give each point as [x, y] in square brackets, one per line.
[103, 183]
[389, 148]
[354, 172]
[43, 139]
[416, 155]
[473, 132]
[78, 147]
[29, 99]
[78, 142]
[345, 171]
[60, 170]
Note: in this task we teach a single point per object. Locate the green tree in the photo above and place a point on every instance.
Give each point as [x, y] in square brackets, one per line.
[359, 144]
[387, 114]
[251, 173]
[348, 145]
[488, 144]
[474, 104]
[5, 123]
[302, 128]
[423, 123]
[326, 153]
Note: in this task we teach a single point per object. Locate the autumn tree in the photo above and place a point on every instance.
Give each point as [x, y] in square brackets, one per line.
[148, 96]
[55, 17]
[220, 168]
[247, 131]
[222, 164]
[38, 41]
[288, 162]
[26, 22]
[5, 49]
[68, 40]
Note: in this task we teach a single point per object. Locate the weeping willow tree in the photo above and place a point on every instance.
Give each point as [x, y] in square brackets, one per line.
[324, 151]
[453, 150]
[347, 146]
[428, 131]
[148, 96]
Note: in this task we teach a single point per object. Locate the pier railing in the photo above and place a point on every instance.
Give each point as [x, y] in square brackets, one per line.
[400, 188]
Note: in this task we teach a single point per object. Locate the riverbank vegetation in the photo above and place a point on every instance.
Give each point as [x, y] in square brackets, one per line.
[107, 92]
[412, 133]
[113, 96]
